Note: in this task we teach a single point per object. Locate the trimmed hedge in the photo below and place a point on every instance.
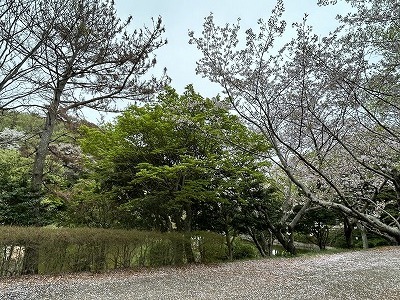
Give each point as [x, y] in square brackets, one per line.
[42, 250]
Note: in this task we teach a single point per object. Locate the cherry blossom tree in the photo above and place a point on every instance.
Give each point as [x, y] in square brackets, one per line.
[324, 104]
[10, 138]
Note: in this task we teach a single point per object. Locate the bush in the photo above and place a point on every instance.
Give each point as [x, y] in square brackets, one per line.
[210, 247]
[244, 250]
[27, 250]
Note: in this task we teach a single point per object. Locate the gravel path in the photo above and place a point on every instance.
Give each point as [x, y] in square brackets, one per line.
[373, 274]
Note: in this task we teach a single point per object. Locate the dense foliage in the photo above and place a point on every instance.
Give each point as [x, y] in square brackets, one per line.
[170, 165]
[304, 145]
[19, 204]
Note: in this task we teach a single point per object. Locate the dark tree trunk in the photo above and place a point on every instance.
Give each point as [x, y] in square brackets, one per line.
[286, 240]
[256, 241]
[269, 242]
[188, 217]
[229, 245]
[396, 183]
[323, 238]
[348, 232]
[284, 234]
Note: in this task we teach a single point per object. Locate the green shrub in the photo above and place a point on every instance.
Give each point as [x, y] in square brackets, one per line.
[209, 247]
[27, 250]
[244, 250]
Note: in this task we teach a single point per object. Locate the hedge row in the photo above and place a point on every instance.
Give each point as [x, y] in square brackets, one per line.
[31, 250]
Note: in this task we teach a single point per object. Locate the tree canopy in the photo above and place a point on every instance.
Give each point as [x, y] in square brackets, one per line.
[165, 164]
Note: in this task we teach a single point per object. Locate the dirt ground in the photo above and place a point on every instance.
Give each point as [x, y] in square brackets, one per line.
[372, 274]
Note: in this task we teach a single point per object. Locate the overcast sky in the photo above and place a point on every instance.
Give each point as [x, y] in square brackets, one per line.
[179, 16]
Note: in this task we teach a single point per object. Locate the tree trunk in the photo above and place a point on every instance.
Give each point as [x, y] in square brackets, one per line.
[279, 231]
[42, 150]
[229, 238]
[270, 242]
[363, 235]
[188, 217]
[286, 240]
[259, 244]
[348, 232]
[323, 237]
[396, 182]
[45, 137]
[229, 245]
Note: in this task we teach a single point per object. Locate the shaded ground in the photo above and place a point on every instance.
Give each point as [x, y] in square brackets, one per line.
[373, 274]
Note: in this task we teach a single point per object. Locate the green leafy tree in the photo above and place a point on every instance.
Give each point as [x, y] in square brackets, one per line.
[166, 164]
[20, 131]
[316, 225]
[19, 204]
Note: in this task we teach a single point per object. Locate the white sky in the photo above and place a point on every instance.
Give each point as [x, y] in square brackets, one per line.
[179, 16]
